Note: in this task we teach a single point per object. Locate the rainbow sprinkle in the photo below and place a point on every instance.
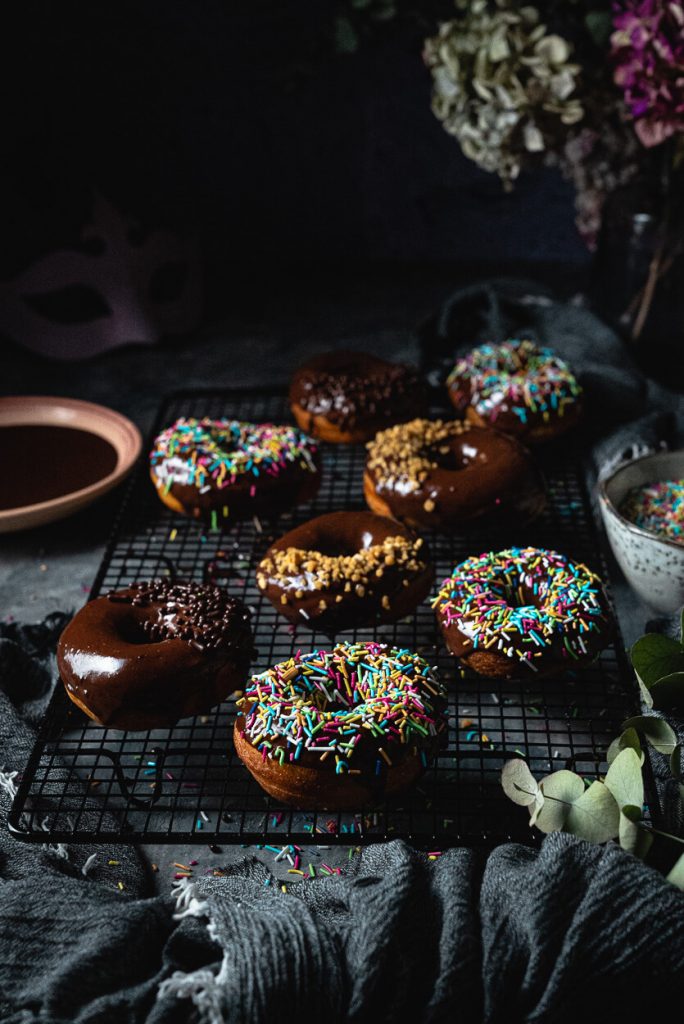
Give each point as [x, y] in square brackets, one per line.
[658, 508]
[213, 454]
[515, 375]
[522, 602]
[358, 704]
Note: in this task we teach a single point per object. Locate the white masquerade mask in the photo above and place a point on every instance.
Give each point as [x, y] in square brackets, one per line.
[72, 305]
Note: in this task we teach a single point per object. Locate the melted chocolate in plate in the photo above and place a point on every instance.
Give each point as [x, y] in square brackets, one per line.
[57, 455]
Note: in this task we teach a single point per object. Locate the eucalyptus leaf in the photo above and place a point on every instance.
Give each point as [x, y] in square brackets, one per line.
[659, 734]
[676, 875]
[628, 738]
[646, 697]
[535, 807]
[632, 836]
[519, 784]
[676, 763]
[668, 692]
[654, 656]
[560, 790]
[624, 779]
[595, 816]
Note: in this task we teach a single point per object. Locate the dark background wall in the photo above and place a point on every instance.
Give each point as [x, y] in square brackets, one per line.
[242, 122]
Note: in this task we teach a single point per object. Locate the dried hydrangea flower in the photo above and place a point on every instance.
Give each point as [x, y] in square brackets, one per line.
[648, 50]
[598, 156]
[503, 86]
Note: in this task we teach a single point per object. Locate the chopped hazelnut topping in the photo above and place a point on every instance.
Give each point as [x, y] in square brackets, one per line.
[402, 453]
[300, 571]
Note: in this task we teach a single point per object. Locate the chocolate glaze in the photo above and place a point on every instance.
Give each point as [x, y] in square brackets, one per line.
[272, 495]
[39, 463]
[343, 533]
[355, 392]
[146, 656]
[484, 474]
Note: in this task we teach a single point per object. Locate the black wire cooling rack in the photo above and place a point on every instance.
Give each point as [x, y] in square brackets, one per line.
[84, 783]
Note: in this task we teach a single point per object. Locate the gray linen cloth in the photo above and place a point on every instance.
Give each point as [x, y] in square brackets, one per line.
[518, 935]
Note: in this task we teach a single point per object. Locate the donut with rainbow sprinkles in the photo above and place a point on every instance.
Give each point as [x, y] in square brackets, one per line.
[229, 468]
[518, 387]
[523, 611]
[341, 729]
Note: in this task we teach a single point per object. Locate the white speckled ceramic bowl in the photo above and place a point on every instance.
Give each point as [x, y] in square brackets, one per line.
[653, 565]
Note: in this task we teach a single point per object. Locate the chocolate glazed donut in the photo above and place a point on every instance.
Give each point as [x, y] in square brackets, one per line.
[523, 610]
[345, 570]
[341, 729]
[233, 469]
[445, 474]
[156, 652]
[518, 388]
[346, 397]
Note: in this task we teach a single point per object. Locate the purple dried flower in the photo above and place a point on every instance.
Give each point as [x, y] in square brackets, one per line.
[648, 50]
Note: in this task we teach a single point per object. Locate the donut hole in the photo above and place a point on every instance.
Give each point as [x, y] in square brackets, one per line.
[340, 547]
[515, 593]
[455, 454]
[225, 439]
[335, 703]
[131, 630]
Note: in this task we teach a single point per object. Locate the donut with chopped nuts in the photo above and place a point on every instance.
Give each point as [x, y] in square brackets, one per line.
[219, 469]
[341, 729]
[346, 397]
[518, 387]
[444, 474]
[523, 611]
[346, 570]
[157, 651]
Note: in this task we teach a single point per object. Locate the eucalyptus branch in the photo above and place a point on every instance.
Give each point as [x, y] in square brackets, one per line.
[612, 807]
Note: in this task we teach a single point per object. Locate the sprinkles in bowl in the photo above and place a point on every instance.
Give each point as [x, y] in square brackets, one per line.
[658, 508]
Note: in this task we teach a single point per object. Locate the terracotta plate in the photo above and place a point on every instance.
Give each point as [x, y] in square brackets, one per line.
[37, 410]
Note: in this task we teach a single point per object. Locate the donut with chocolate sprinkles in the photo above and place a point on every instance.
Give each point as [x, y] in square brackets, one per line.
[523, 611]
[341, 729]
[157, 651]
[346, 570]
[445, 474]
[221, 469]
[346, 397]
